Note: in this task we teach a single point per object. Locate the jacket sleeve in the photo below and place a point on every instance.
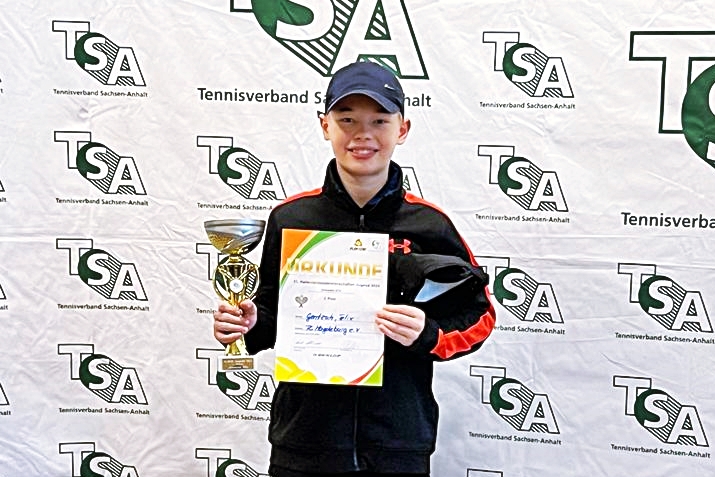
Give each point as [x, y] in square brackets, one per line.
[459, 321]
[263, 335]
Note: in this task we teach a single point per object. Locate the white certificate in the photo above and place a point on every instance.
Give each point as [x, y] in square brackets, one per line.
[331, 286]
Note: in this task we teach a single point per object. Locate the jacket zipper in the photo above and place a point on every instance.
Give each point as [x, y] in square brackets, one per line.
[356, 463]
[355, 431]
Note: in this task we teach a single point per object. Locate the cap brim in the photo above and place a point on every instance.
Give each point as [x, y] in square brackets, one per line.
[386, 104]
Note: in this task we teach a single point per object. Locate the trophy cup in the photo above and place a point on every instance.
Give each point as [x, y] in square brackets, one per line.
[235, 278]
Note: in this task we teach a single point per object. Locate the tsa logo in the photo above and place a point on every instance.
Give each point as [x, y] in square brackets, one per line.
[522, 181]
[660, 414]
[328, 34]
[410, 182]
[220, 464]
[687, 76]
[517, 291]
[528, 68]
[101, 271]
[248, 389]
[213, 258]
[519, 406]
[240, 170]
[664, 300]
[103, 376]
[100, 57]
[86, 462]
[103, 168]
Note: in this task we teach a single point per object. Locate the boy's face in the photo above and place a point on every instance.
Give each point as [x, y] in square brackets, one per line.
[363, 136]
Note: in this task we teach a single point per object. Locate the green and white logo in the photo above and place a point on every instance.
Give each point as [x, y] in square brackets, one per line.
[663, 299]
[219, 463]
[101, 271]
[242, 171]
[660, 414]
[99, 165]
[519, 406]
[328, 34]
[522, 181]
[250, 390]
[86, 462]
[528, 68]
[104, 377]
[520, 294]
[687, 76]
[97, 55]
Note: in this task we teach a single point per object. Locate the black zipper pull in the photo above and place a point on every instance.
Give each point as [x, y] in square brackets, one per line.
[361, 225]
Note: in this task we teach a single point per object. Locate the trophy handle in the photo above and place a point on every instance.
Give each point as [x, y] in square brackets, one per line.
[236, 280]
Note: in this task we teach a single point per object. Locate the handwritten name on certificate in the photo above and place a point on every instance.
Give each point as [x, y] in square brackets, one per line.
[331, 286]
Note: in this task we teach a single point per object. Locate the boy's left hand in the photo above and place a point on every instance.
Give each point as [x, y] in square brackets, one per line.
[402, 323]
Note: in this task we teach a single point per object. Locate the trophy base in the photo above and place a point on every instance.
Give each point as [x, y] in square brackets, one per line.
[235, 363]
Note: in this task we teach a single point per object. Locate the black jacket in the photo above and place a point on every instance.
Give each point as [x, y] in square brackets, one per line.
[334, 428]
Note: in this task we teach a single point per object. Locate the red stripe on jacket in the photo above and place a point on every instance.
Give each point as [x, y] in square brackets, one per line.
[453, 342]
[307, 193]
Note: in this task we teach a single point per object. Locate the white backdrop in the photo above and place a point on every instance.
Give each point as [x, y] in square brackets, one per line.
[569, 141]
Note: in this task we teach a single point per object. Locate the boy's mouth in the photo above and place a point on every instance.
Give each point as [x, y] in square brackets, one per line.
[362, 151]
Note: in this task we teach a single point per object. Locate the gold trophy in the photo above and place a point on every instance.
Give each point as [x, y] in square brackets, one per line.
[235, 278]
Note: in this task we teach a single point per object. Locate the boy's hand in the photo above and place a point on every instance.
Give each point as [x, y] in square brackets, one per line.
[402, 323]
[232, 322]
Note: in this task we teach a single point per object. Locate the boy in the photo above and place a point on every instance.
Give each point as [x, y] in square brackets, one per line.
[332, 430]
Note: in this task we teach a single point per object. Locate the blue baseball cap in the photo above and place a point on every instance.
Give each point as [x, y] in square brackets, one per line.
[370, 79]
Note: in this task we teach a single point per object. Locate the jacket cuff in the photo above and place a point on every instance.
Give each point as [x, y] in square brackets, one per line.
[427, 340]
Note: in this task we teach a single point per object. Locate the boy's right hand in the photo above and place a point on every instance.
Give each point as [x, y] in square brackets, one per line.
[232, 322]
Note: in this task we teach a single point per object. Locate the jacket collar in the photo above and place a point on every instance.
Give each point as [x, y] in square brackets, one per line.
[391, 191]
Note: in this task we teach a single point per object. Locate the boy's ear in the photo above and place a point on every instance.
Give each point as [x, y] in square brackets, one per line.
[404, 130]
[324, 125]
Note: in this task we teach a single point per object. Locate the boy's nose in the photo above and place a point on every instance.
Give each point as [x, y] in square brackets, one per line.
[362, 130]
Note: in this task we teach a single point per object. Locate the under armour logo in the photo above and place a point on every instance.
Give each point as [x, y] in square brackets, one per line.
[404, 246]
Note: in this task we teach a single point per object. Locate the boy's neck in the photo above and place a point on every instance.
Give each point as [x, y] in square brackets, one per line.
[362, 189]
